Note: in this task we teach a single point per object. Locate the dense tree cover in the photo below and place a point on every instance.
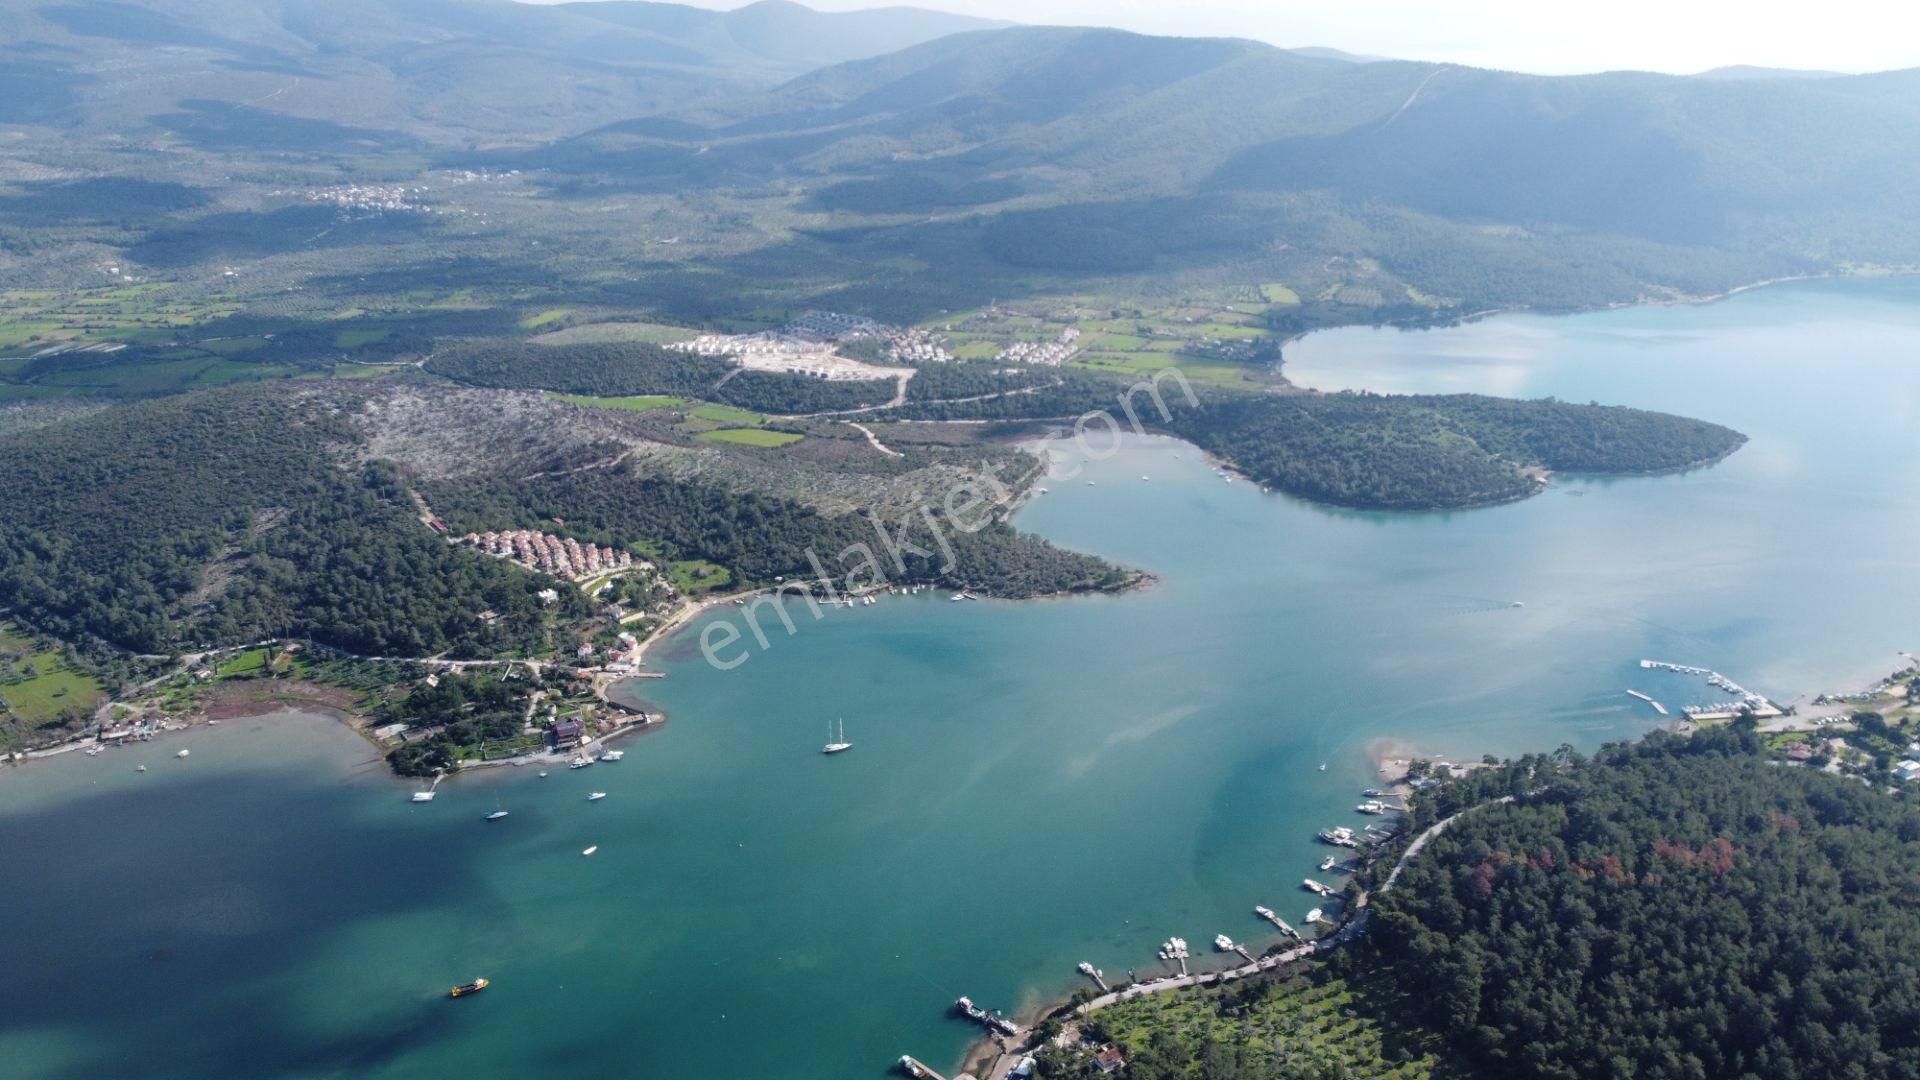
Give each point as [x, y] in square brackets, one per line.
[973, 378]
[761, 539]
[460, 713]
[1676, 908]
[222, 516]
[1418, 453]
[1584, 438]
[1361, 450]
[1067, 241]
[616, 369]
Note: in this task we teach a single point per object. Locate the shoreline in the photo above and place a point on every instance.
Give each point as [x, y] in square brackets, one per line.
[1390, 757]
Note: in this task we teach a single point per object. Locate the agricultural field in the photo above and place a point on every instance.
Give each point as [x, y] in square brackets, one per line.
[251, 662]
[1203, 337]
[38, 689]
[35, 320]
[544, 318]
[727, 414]
[751, 437]
[1315, 1023]
[641, 403]
[592, 333]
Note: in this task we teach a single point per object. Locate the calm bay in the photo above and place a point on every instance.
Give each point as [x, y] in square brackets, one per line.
[1032, 784]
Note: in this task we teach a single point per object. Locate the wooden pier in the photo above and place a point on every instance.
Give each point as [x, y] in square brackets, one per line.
[1282, 924]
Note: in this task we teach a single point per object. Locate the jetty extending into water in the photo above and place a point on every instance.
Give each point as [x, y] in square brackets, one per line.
[973, 1012]
[1267, 914]
[912, 1066]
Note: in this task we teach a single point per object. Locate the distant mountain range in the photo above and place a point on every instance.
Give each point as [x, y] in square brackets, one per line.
[937, 139]
[481, 70]
[1097, 115]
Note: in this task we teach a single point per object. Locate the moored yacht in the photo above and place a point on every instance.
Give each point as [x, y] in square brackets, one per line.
[839, 743]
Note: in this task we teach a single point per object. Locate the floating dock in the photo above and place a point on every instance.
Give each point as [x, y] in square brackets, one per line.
[1648, 698]
[1746, 700]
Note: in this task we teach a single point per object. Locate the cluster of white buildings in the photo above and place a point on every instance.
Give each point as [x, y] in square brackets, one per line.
[561, 556]
[805, 346]
[775, 352]
[371, 197]
[1050, 353]
[915, 346]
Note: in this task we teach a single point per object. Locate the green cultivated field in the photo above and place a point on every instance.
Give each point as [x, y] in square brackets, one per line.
[251, 662]
[40, 688]
[653, 333]
[751, 437]
[642, 403]
[727, 414]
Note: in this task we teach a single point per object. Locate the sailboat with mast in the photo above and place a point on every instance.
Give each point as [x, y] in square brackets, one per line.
[836, 743]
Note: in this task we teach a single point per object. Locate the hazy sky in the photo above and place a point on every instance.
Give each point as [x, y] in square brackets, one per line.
[1549, 36]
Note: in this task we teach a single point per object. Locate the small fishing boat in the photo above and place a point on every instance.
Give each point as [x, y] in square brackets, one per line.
[596, 796]
[183, 753]
[465, 989]
[543, 775]
[496, 815]
[1327, 864]
[139, 768]
[591, 850]
[423, 796]
[612, 755]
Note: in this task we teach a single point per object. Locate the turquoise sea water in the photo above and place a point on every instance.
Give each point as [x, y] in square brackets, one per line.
[1031, 784]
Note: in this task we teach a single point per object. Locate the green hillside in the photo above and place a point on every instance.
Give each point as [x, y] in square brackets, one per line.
[1681, 907]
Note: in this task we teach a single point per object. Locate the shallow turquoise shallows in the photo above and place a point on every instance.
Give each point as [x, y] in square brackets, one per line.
[1031, 785]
